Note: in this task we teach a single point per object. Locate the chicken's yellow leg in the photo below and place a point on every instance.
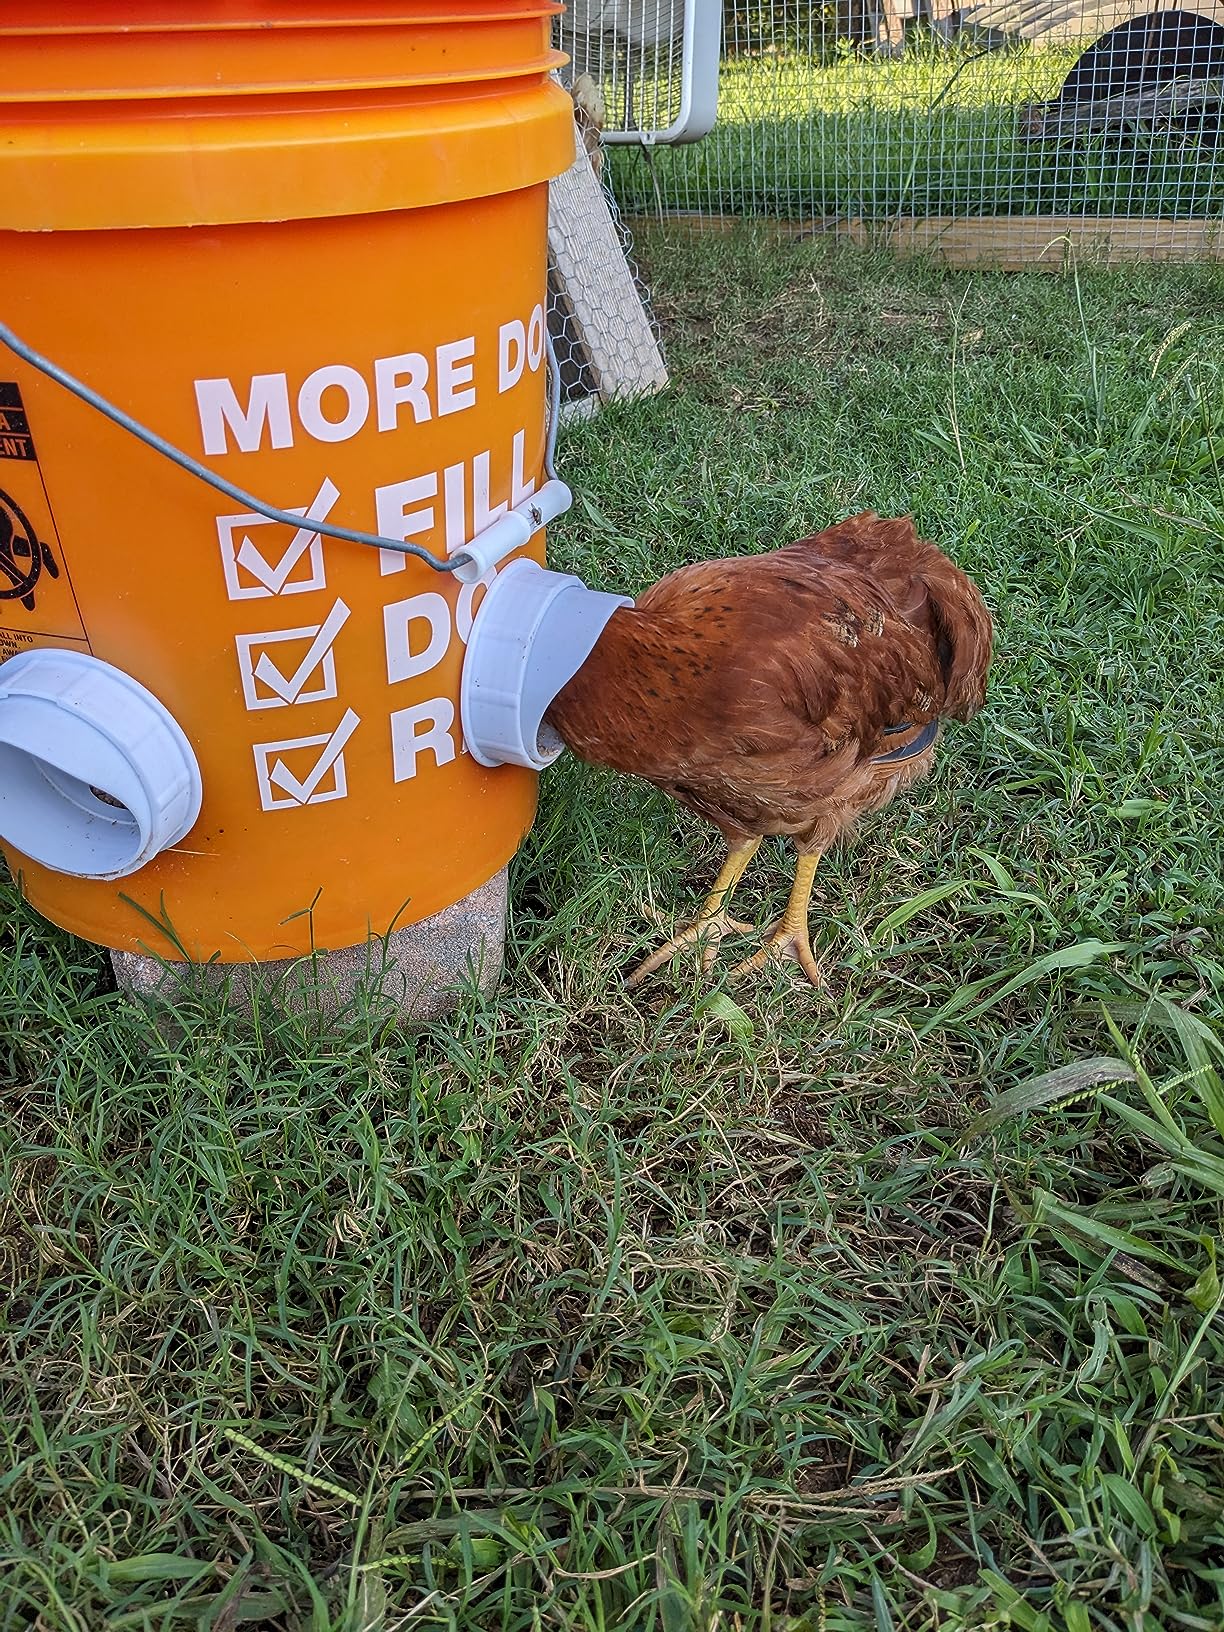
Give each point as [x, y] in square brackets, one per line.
[789, 938]
[712, 923]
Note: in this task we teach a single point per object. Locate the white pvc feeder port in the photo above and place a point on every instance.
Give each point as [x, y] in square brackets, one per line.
[96, 775]
[532, 633]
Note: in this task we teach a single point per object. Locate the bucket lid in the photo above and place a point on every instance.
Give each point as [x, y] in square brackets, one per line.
[131, 113]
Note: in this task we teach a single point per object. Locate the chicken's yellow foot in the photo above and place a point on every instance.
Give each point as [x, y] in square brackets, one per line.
[789, 939]
[711, 924]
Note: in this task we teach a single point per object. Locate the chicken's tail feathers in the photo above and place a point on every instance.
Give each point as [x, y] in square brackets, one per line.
[964, 634]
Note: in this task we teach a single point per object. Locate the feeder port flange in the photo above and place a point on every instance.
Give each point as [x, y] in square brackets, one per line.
[533, 631]
[96, 775]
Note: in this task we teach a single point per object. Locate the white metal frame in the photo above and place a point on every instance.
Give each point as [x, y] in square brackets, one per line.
[700, 53]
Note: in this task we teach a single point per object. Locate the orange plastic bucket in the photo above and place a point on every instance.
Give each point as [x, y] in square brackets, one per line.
[307, 244]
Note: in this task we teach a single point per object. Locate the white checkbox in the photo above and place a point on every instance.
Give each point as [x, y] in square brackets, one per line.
[308, 676]
[275, 565]
[319, 774]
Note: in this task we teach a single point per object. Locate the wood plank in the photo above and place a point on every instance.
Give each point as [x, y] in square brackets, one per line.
[1066, 21]
[1005, 242]
[1176, 99]
[1016, 242]
[724, 225]
[599, 302]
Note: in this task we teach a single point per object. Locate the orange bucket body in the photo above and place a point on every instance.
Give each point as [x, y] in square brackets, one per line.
[307, 245]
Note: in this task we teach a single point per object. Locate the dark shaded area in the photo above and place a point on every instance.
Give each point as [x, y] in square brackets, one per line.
[1147, 51]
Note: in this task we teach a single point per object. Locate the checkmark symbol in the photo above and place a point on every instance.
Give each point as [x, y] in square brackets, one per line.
[307, 789]
[272, 576]
[270, 680]
[289, 688]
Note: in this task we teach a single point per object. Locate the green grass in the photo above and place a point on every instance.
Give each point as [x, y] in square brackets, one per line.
[934, 132]
[700, 1308]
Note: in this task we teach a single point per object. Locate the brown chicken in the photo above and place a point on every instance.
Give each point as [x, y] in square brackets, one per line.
[790, 693]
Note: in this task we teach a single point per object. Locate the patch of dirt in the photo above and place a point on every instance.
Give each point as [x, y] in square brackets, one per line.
[801, 1114]
[815, 1478]
[952, 1566]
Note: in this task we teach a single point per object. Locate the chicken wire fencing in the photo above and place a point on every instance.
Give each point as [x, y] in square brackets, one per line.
[610, 344]
[600, 320]
[922, 114]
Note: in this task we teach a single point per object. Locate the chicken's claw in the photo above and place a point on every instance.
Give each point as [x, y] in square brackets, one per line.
[784, 944]
[707, 930]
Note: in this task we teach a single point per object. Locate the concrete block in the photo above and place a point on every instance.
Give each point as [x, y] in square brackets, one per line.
[417, 972]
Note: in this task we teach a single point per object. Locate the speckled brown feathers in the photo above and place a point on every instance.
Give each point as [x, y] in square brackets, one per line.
[757, 690]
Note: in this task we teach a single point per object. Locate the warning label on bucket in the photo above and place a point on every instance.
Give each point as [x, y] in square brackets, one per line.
[15, 439]
[36, 596]
[11, 642]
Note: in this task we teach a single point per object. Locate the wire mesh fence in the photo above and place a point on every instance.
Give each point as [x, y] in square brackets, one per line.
[600, 320]
[874, 111]
[631, 49]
